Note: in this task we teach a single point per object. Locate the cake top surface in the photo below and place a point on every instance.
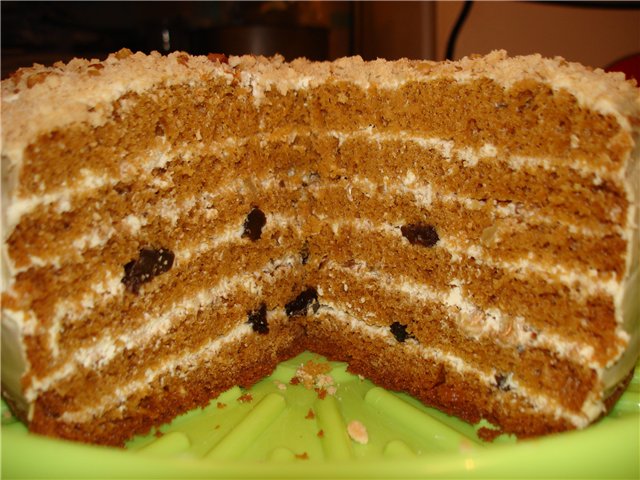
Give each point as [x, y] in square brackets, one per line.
[85, 89]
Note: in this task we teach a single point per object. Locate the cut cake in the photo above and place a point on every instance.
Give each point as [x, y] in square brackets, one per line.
[175, 225]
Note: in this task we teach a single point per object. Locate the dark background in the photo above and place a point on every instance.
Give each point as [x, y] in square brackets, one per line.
[45, 32]
[599, 34]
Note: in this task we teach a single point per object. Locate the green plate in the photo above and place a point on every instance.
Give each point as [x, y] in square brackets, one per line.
[280, 429]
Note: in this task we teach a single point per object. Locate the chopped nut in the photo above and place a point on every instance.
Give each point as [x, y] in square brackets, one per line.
[488, 236]
[323, 380]
[506, 328]
[37, 78]
[218, 57]
[183, 59]
[94, 69]
[123, 53]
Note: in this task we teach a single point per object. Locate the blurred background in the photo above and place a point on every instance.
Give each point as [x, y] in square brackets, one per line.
[600, 34]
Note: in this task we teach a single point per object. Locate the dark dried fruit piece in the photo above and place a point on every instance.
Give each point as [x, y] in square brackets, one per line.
[502, 382]
[304, 253]
[183, 59]
[149, 264]
[258, 319]
[253, 224]
[94, 69]
[298, 306]
[400, 331]
[420, 234]
[36, 78]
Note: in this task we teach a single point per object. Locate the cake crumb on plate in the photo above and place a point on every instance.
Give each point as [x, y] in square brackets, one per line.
[358, 432]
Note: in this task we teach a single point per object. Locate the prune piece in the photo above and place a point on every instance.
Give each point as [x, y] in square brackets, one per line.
[502, 382]
[299, 305]
[400, 331]
[258, 319]
[253, 224]
[420, 234]
[149, 264]
[304, 253]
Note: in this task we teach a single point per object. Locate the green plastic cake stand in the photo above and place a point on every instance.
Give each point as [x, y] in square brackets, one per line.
[284, 429]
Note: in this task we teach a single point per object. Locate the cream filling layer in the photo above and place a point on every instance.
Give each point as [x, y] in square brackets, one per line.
[88, 182]
[424, 195]
[111, 284]
[187, 362]
[159, 157]
[591, 409]
[166, 209]
[477, 323]
[190, 360]
[507, 329]
[590, 284]
[591, 280]
[469, 156]
[106, 348]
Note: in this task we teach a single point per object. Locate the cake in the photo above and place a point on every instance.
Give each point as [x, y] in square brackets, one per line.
[466, 232]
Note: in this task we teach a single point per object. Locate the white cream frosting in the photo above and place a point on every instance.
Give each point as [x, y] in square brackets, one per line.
[111, 285]
[494, 321]
[422, 192]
